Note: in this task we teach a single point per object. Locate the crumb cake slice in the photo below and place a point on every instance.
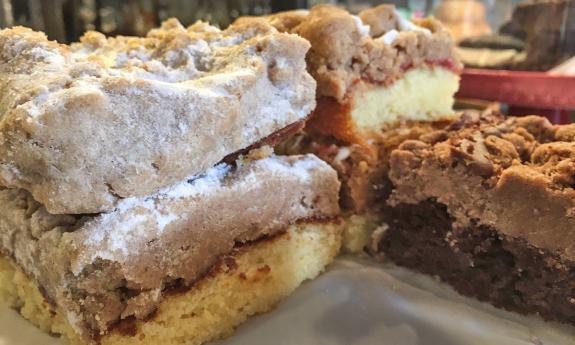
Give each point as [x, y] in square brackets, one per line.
[183, 266]
[487, 205]
[381, 80]
[373, 70]
[85, 125]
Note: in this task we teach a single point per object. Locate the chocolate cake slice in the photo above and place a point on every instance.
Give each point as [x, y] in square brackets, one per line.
[487, 205]
[548, 29]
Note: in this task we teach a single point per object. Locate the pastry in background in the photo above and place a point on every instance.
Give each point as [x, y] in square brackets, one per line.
[463, 18]
[492, 51]
[549, 31]
[539, 36]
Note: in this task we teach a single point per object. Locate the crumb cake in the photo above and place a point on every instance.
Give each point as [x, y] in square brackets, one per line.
[380, 80]
[487, 205]
[374, 69]
[140, 202]
[182, 266]
[175, 102]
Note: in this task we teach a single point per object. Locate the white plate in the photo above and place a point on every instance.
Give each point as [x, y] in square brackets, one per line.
[363, 304]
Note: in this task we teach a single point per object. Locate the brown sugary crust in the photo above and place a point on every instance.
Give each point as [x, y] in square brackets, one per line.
[89, 124]
[515, 175]
[341, 56]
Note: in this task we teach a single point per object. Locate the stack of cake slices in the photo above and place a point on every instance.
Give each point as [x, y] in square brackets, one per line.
[381, 79]
[138, 204]
[141, 202]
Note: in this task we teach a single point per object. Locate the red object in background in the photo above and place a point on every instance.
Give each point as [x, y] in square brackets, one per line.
[526, 92]
[557, 116]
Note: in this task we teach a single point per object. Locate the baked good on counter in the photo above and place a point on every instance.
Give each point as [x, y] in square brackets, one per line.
[139, 203]
[86, 125]
[182, 266]
[487, 206]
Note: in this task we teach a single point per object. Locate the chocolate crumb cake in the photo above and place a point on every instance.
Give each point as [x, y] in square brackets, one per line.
[487, 205]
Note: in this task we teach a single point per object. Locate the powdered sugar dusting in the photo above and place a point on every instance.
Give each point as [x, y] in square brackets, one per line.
[193, 185]
[301, 167]
[361, 27]
[404, 25]
[134, 217]
[114, 235]
[342, 154]
[407, 25]
[389, 37]
[75, 321]
[48, 56]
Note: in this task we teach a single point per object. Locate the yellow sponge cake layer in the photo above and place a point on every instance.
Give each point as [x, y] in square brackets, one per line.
[423, 94]
[251, 281]
[358, 231]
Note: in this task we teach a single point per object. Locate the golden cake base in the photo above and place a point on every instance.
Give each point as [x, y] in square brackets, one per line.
[257, 278]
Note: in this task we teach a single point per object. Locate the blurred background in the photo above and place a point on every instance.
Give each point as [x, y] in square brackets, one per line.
[66, 20]
[491, 33]
[495, 24]
[512, 35]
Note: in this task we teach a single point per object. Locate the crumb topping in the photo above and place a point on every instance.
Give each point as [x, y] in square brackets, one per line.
[378, 45]
[85, 125]
[514, 174]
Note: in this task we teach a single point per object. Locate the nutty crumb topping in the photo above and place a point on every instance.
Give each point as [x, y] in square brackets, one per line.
[488, 143]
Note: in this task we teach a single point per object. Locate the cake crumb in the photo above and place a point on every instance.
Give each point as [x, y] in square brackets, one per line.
[377, 236]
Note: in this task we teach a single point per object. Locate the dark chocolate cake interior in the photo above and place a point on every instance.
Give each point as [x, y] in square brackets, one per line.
[481, 263]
